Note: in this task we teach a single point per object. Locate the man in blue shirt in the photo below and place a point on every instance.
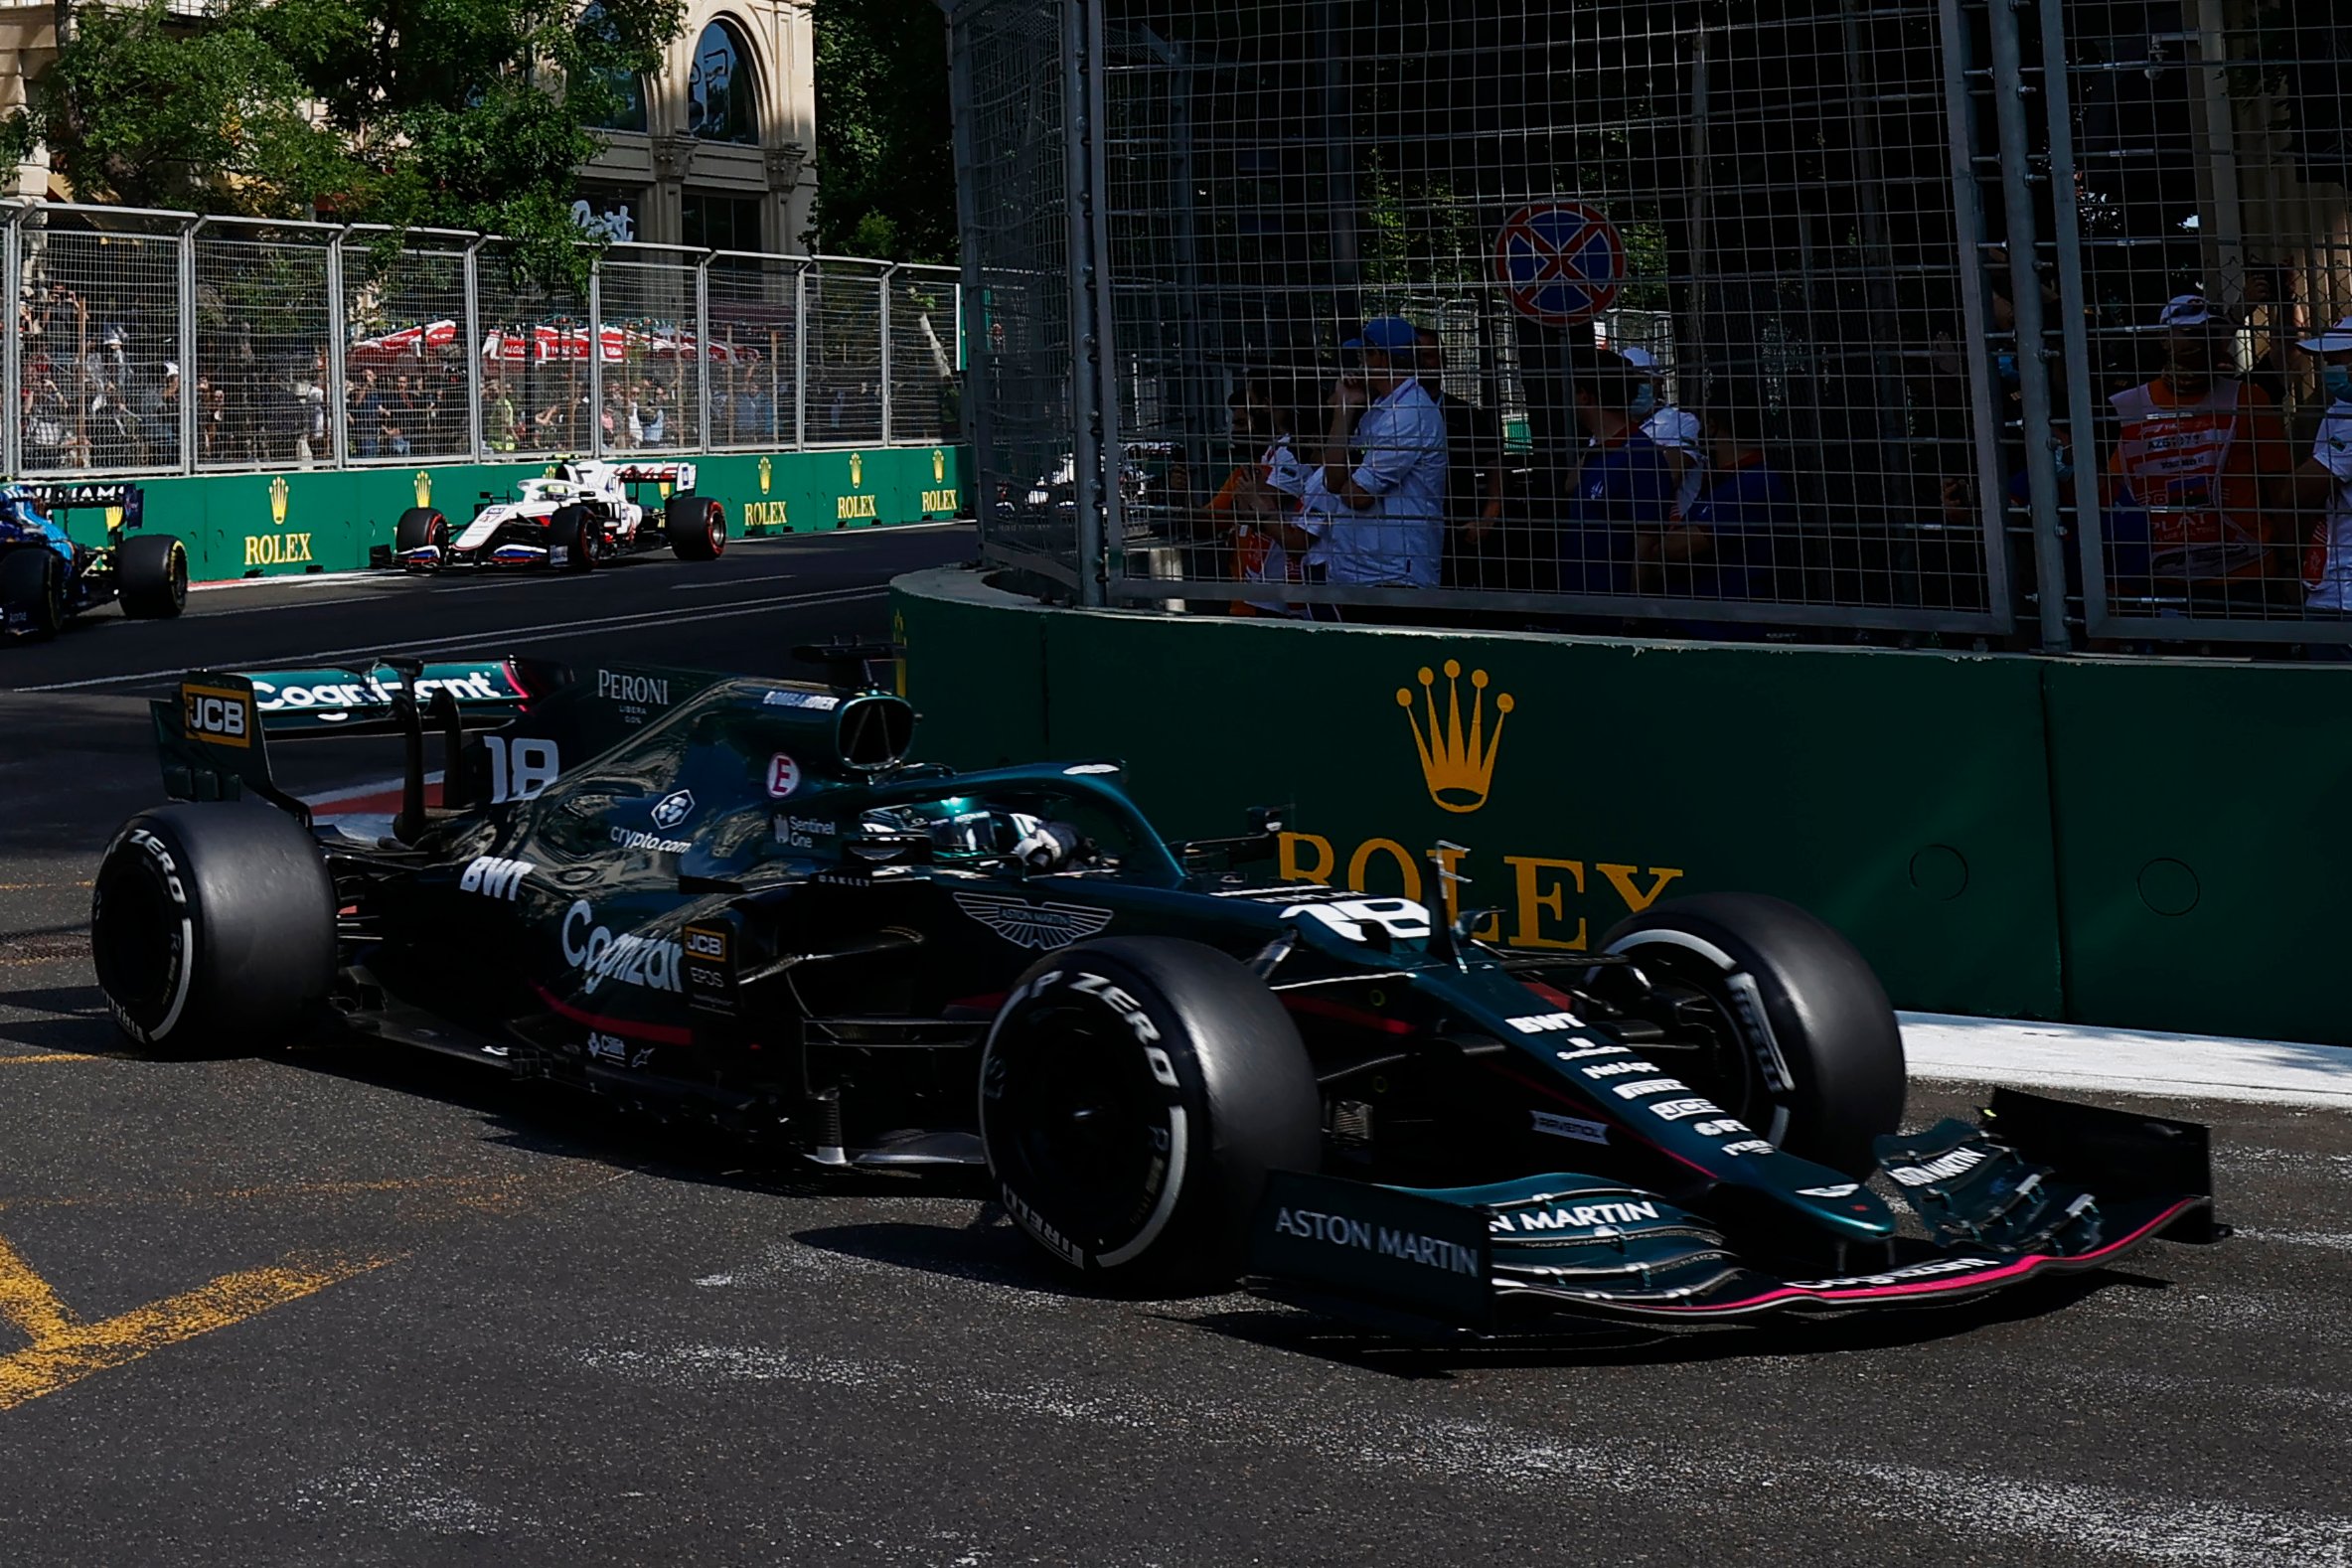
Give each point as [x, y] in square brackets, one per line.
[1377, 503]
[1738, 540]
[1622, 495]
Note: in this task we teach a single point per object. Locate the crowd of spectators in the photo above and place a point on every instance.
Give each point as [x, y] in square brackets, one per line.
[2207, 505]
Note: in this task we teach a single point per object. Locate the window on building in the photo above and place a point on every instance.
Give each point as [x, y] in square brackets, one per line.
[721, 222]
[720, 89]
[627, 87]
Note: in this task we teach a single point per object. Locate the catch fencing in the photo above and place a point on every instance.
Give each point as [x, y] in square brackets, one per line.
[1868, 319]
[163, 342]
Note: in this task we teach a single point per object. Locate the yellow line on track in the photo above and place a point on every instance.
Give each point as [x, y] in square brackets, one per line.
[55, 1055]
[27, 1304]
[64, 1351]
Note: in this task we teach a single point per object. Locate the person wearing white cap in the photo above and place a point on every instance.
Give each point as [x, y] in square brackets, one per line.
[1676, 431]
[2324, 483]
[2207, 457]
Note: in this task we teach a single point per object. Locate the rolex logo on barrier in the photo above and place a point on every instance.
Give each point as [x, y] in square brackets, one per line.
[767, 470]
[938, 466]
[1458, 764]
[854, 509]
[278, 549]
[857, 469]
[425, 487]
[277, 501]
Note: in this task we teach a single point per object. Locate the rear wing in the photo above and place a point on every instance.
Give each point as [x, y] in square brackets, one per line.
[679, 477]
[358, 700]
[126, 505]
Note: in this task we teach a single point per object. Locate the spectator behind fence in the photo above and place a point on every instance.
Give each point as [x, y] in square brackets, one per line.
[1622, 495]
[498, 414]
[158, 407]
[1258, 504]
[2207, 456]
[2324, 485]
[1738, 540]
[648, 416]
[1675, 431]
[1475, 475]
[1377, 503]
[367, 418]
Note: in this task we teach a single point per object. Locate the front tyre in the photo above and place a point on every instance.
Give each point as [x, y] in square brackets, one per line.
[417, 527]
[696, 526]
[572, 539]
[1807, 1048]
[212, 927]
[33, 582]
[151, 577]
[1134, 1095]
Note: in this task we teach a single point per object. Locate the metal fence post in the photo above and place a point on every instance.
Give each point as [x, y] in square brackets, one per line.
[702, 441]
[800, 358]
[470, 271]
[339, 433]
[2066, 238]
[2017, 200]
[191, 417]
[1089, 507]
[596, 356]
[888, 273]
[12, 374]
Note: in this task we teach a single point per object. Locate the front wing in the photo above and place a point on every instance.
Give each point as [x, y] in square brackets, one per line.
[2040, 1186]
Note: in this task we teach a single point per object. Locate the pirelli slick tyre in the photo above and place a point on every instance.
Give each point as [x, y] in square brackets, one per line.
[212, 928]
[697, 525]
[1133, 1094]
[151, 577]
[1808, 1051]
[570, 532]
[419, 526]
[33, 581]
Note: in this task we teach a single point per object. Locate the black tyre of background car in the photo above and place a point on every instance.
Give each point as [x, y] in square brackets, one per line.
[34, 579]
[151, 577]
[697, 525]
[1817, 1063]
[1134, 1095]
[419, 526]
[570, 530]
[212, 927]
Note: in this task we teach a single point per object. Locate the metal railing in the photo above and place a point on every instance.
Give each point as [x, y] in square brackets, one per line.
[161, 343]
[1781, 320]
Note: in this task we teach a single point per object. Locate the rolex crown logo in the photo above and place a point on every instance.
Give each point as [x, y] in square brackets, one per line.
[766, 473]
[857, 469]
[938, 466]
[277, 501]
[1457, 763]
[425, 487]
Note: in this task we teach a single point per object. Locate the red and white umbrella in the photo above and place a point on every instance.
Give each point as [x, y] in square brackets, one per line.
[406, 344]
[682, 344]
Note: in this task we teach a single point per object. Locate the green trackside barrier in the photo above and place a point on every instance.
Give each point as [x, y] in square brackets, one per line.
[1902, 796]
[298, 521]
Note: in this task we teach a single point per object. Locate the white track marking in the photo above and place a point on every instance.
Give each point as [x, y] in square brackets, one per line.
[515, 637]
[2128, 1525]
[730, 582]
[2128, 1061]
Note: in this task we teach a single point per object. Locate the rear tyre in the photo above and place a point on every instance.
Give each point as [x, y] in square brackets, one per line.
[1134, 1095]
[32, 581]
[1812, 1057]
[212, 927]
[570, 533]
[419, 526]
[696, 526]
[151, 577]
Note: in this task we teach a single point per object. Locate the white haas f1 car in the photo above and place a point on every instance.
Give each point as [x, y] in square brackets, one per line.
[580, 515]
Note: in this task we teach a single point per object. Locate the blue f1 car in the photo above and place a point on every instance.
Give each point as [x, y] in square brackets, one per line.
[46, 578]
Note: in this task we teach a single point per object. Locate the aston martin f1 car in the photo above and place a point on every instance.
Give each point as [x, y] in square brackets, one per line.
[576, 516]
[47, 579]
[737, 900]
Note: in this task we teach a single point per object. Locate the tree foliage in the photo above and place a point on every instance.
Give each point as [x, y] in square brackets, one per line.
[885, 173]
[442, 113]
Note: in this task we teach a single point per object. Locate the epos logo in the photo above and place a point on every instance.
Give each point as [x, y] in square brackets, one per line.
[217, 716]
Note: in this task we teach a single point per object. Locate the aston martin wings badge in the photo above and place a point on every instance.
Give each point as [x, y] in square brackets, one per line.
[1024, 924]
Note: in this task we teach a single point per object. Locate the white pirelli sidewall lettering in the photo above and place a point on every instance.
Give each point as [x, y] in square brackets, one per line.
[153, 848]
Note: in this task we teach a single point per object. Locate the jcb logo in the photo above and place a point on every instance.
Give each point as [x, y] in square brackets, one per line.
[216, 716]
[494, 877]
[705, 942]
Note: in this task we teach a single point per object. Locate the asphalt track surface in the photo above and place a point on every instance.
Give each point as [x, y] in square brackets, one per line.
[351, 1305]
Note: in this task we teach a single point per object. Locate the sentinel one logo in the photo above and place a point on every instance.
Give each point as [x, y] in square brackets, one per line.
[1458, 764]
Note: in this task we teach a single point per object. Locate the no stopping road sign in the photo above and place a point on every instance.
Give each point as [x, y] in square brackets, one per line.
[1563, 263]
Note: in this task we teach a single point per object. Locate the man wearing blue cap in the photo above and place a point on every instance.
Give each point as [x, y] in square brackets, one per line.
[1379, 502]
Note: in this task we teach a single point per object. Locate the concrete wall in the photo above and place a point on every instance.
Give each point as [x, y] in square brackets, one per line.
[2114, 843]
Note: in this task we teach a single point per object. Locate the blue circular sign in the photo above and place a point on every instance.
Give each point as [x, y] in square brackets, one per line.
[1561, 262]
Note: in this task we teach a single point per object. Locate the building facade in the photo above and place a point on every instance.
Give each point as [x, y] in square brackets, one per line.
[713, 151]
